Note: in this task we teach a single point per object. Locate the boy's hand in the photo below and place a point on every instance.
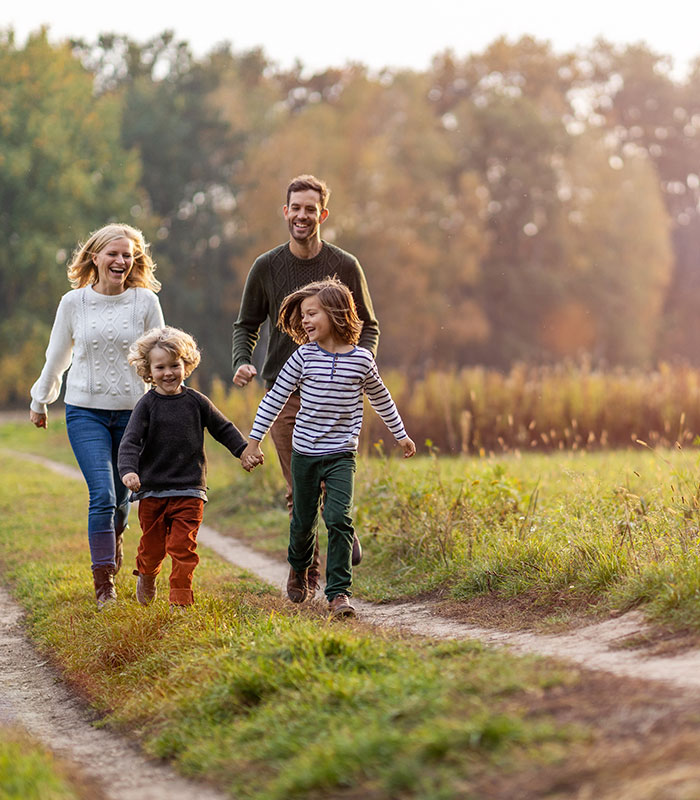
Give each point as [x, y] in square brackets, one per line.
[409, 447]
[252, 456]
[132, 481]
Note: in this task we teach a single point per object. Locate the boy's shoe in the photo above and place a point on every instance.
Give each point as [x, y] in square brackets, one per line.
[105, 593]
[297, 585]
[178, 608]
[313, 582]
[356, 550]
[340, 606]
[146, 588]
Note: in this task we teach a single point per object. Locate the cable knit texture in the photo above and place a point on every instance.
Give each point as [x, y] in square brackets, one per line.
[92, 334]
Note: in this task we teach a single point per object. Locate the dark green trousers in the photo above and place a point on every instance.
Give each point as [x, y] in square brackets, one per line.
[337, 472]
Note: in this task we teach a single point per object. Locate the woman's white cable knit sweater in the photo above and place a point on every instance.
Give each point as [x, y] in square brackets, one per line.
[92, 334]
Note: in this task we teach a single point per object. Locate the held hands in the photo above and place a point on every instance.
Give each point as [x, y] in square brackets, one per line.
[132, 481]
[252, 456]
[409, 447]
[244, 374]
[40, 420]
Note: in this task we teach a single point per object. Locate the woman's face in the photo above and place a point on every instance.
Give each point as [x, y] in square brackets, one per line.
[114, 263]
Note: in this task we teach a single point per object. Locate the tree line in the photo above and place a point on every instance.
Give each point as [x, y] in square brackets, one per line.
[509, 206]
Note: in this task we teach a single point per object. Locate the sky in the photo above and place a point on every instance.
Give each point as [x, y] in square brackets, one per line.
[378, 33]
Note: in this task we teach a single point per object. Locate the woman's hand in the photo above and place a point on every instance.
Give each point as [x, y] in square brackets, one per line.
[40, 420]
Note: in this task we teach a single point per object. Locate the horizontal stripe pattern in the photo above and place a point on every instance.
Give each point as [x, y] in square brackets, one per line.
[332, 386]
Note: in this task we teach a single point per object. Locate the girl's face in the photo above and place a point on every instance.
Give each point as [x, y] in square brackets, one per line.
[114, 263]
[317, 323]
[167, 372]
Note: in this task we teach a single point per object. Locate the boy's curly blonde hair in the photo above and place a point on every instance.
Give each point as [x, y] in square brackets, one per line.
[176, 342]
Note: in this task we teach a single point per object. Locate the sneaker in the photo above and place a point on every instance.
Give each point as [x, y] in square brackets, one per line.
[340, 606]
[145, 588]
[356, 550]
[297, 586]
[178, 608]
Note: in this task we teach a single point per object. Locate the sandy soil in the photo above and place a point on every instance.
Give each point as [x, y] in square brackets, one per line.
[33, 695]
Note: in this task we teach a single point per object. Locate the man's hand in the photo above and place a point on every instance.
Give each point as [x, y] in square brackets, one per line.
[408, 446]
[132, 481]
[244, 374]
[40, 420]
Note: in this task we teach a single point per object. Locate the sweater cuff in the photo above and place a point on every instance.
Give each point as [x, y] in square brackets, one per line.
[38, 408]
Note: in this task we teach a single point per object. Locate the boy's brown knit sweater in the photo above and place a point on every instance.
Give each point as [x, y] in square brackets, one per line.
[276, 274]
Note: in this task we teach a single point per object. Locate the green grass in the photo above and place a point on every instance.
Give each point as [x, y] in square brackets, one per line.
[264, 699]
[586, 531]
[30, 772]
[583, 530]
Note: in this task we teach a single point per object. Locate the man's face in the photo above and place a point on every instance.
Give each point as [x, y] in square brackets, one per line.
[304, 215]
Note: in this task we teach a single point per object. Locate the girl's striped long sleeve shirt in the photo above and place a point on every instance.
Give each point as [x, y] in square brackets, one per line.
[332, 387]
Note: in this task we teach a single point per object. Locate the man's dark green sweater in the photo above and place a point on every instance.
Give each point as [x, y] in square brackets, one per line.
[276, 274]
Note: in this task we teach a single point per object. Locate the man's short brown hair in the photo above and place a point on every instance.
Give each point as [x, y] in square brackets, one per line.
[303, 182]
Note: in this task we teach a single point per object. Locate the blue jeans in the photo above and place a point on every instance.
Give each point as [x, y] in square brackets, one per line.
[95, 435]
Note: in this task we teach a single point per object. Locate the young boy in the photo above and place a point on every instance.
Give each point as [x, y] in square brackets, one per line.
[162, 460]
[333, 373]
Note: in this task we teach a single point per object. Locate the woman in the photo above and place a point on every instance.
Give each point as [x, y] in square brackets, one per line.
[112, 303]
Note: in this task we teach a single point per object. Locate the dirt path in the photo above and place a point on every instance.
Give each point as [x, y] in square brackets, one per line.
[32, 695]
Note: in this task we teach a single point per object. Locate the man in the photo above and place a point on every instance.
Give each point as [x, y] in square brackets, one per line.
[274, 275]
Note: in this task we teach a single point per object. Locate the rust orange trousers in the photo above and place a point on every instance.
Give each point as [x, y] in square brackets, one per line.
[169, 526]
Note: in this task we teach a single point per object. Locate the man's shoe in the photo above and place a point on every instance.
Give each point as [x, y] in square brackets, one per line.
[356, 550]
[145, 588]
[105, 593]
[313, 583]
[297, 586]
[340, 606]
[118, 552]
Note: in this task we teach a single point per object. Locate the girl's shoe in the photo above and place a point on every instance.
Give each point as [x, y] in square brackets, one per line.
[297, 586]
[340, 606]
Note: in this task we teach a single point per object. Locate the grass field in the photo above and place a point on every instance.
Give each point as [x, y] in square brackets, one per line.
[29, 771]
[266, 700]
[565, 534]
[262, 699]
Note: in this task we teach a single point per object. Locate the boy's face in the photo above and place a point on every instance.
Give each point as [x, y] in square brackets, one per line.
[167, 372]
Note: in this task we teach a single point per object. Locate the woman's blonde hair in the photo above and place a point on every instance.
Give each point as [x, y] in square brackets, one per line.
[335, 299]
[82, 271]
[176, 342]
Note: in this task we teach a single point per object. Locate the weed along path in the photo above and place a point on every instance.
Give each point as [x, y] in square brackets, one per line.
[599, 646]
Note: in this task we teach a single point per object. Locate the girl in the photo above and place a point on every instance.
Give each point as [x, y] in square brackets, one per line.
[332, 373]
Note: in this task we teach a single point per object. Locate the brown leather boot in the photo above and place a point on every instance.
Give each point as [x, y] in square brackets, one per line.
[118, 552]
[340, 606]
[313, 573]
[297, 586]
[103, 578]
[356, 550]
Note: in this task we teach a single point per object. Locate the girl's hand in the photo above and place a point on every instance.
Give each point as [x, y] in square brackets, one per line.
[40, 420]
[252, 456]
[132, 481]
[408, 446]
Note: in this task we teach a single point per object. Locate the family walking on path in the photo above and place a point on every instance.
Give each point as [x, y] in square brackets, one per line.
[319, 363]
